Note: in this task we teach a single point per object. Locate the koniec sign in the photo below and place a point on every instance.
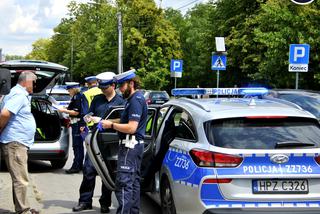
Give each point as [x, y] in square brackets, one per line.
[302, 2]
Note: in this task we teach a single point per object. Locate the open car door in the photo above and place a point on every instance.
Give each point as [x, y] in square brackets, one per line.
[102, 147]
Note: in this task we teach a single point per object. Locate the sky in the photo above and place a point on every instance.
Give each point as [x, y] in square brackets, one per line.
[25, 21]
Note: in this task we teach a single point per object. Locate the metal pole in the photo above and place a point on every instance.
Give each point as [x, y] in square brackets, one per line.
[218, 77]
[297, 79]
[71, 60]
[175, 82]
[120, 44]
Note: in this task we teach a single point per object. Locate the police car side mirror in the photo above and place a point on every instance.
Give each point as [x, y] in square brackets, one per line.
[5, 81]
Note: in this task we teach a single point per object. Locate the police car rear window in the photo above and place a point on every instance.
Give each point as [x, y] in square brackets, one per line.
[61, 97]
[263, 133]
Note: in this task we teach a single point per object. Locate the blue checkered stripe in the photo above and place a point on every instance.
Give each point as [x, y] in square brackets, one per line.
[237, 204]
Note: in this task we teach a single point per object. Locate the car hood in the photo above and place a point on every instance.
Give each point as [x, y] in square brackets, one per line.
[47, 72]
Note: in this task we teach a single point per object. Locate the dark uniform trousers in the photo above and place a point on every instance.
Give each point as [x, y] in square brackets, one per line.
[77, 145]
[128, 179]
[88, 184]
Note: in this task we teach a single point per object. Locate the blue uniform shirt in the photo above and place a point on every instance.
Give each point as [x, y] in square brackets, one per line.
[75, 104]
[21, 126]
[136, 109]
[100, 104]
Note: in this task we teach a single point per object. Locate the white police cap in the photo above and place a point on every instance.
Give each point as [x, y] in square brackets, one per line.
[106, 78]
[90, 79]
[120, 78]
[70, 85]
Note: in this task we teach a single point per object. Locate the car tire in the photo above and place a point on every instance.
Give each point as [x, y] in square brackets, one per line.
[167, 203]
[58, 164]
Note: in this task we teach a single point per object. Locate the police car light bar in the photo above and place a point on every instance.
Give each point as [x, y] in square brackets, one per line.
[219, 91]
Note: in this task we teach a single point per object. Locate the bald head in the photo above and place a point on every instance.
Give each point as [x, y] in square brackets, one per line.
[27, 76]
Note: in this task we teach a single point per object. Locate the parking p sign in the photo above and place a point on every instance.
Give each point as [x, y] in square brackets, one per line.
[299, 57]
[176, 68]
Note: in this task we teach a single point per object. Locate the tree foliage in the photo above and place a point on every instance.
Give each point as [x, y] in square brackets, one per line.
[40, 50]
[257, 32]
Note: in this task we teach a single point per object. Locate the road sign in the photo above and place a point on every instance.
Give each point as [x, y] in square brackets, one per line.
[299, 57]
[220, 46]
[302, 2]
[176, 67]
[219, 62]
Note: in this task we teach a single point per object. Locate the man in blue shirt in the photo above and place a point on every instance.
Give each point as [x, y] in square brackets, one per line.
[17, 130]
[101, 104]
[131, 131]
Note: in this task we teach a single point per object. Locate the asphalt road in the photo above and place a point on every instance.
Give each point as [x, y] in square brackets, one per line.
[54, 192]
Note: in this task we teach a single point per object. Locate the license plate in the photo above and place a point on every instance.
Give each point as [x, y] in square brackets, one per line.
[160, 101]
[280, 186]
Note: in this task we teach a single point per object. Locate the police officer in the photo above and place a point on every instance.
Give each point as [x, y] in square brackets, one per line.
[74, 111]
[93, 89]
[98, 108]
[131, 131]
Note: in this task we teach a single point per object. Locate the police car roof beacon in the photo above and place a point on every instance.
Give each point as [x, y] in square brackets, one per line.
[219, 91]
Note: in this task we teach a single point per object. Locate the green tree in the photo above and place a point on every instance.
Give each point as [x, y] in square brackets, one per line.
[13, 57]
[150, 42]
[39, 50]
[279, 24]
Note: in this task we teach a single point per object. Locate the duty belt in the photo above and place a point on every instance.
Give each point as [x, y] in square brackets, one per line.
[124, 142]
[74, 120]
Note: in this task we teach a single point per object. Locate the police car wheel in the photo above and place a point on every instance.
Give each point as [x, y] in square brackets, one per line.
[58, 164]
[167, 203]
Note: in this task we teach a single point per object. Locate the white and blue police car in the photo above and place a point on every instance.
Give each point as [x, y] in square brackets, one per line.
[223, 155]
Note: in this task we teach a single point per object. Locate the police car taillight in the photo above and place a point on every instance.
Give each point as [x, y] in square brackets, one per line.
[317, 159]
[217, 181]
[205, 158]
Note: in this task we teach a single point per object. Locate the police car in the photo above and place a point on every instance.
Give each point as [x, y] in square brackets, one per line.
[60, 94]
[223, 155]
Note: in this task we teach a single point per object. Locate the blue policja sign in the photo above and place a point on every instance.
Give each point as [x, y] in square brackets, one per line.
[176, 67]
[302, 2]
[299, 57]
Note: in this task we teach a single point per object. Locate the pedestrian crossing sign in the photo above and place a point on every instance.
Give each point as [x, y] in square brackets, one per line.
[219, 62]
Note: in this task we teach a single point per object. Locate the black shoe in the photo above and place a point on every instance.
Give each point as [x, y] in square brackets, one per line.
[104, 209]
[82, 206]
[72, 170]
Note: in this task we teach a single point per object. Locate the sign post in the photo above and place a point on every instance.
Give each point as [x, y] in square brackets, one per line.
[219, 58]
[299, 59]
[176, 68]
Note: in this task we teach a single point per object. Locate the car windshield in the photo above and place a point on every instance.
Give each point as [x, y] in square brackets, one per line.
[262, 133]
[308, 103]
